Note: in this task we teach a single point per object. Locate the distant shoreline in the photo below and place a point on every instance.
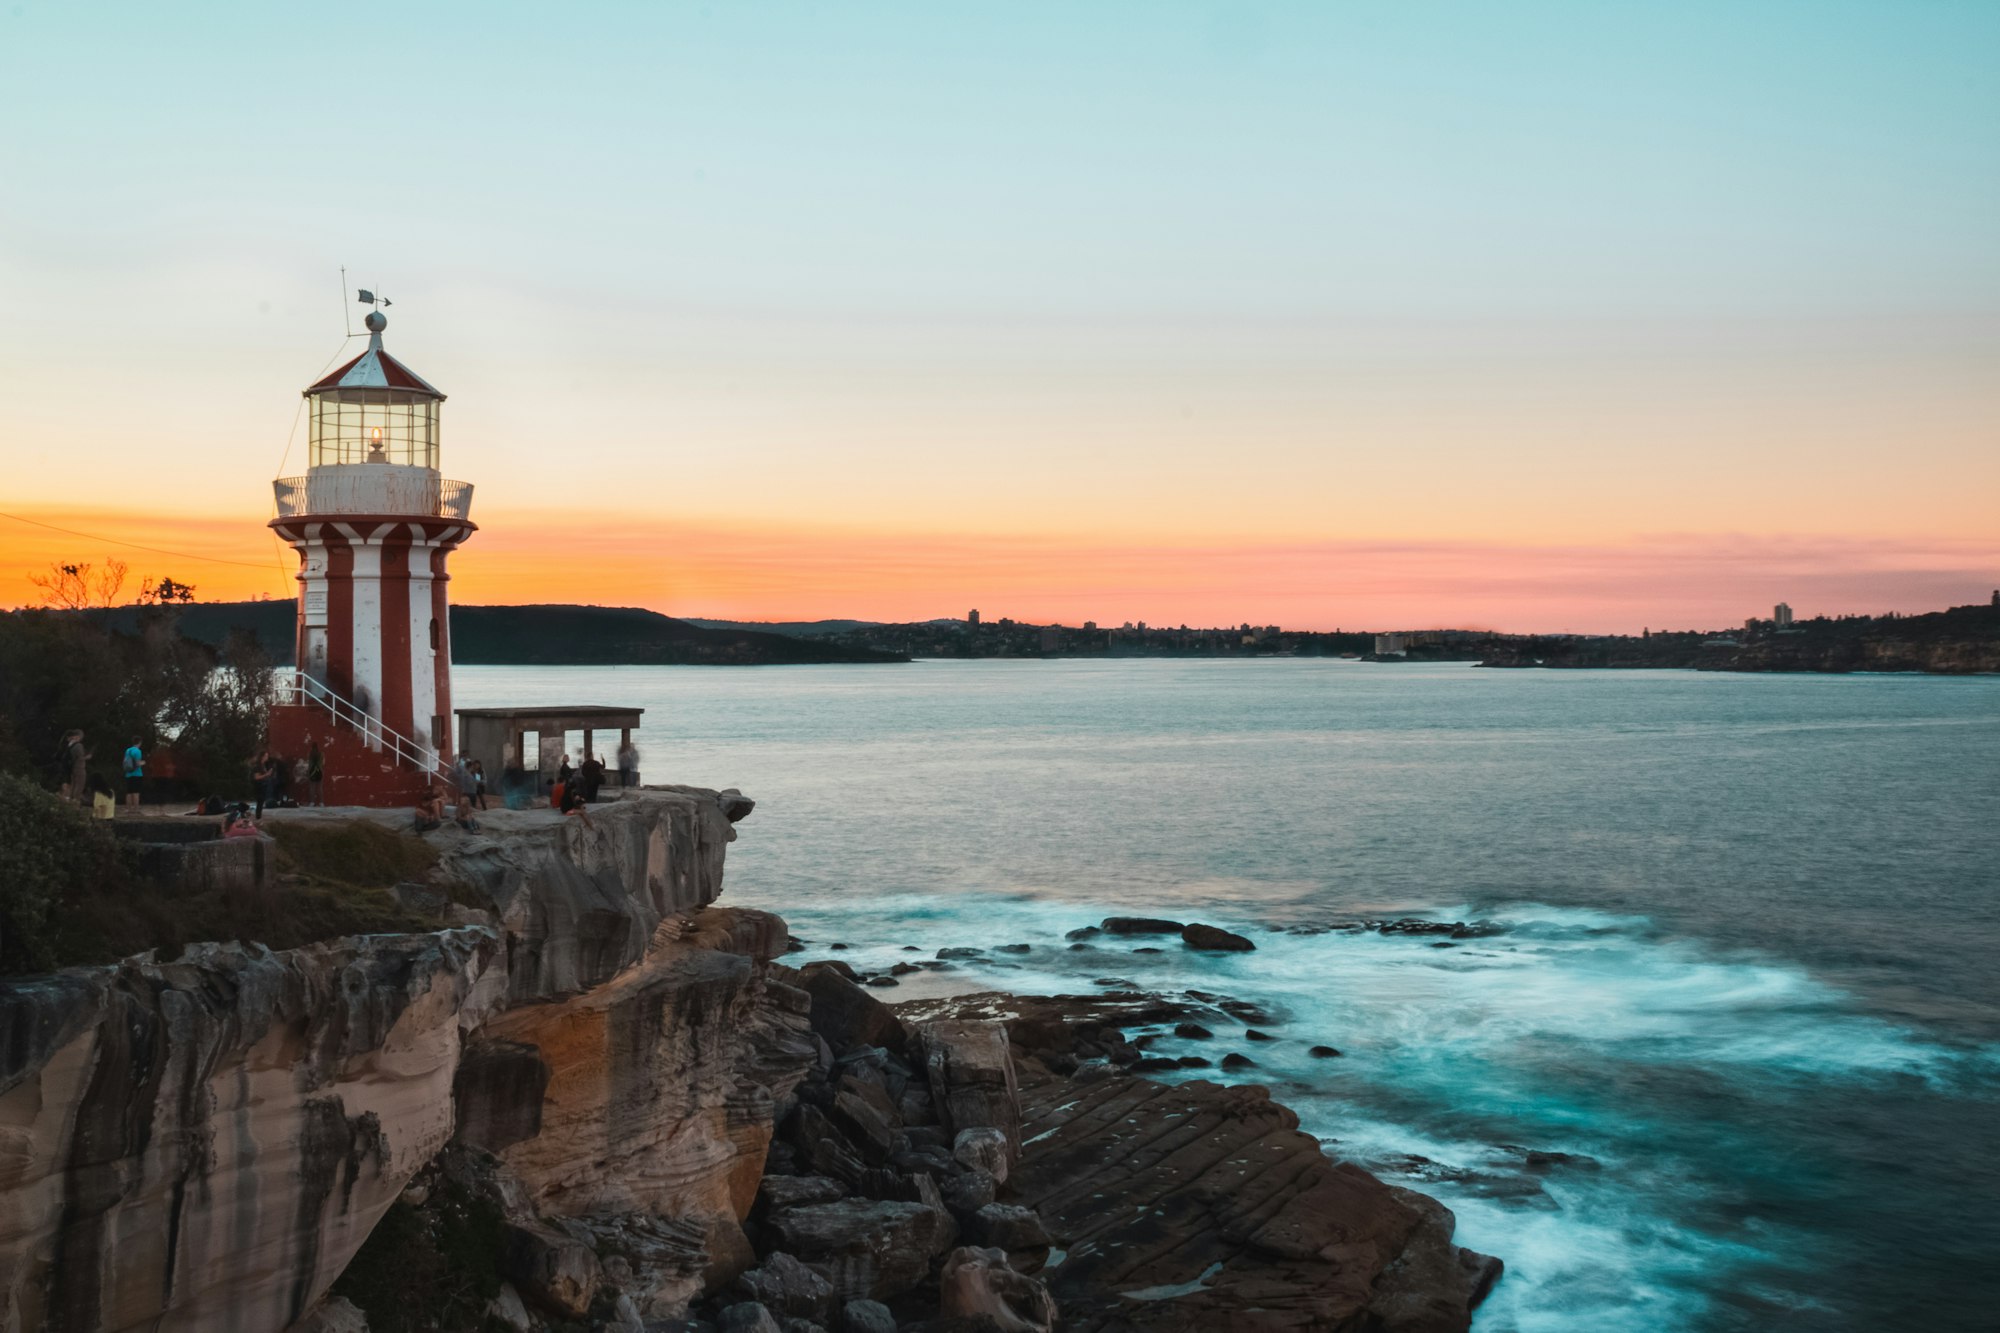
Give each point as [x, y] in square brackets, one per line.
[1963, 640]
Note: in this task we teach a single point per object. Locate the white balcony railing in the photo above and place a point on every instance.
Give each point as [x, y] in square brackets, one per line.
[372, 488]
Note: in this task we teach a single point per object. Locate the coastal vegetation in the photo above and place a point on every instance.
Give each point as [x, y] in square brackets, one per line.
[197, 708]
[75, 891]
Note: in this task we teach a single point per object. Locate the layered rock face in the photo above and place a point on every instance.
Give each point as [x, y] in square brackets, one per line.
[203, 1144]
[601, 1103]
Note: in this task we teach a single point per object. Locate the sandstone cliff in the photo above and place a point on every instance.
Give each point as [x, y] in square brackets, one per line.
[204, 1143]
[593, 1099]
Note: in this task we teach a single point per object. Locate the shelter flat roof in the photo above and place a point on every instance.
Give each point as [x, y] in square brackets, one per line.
[593, 711]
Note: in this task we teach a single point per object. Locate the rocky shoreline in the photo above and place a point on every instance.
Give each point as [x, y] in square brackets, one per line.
[598, 1101]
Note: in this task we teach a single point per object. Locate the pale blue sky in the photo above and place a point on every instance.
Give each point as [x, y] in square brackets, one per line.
[1599, 269]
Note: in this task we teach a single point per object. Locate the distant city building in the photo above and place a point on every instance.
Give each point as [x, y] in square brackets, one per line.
[1781, 615]
[1392, 645]
[972, 616]
[1051, 638]
[1092, 624]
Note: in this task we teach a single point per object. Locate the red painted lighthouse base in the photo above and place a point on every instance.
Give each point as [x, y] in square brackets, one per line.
[354, 774]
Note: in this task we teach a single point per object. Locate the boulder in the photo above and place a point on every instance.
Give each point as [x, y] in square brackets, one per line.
[1192, 1031]
[791, 1191]
[1008, 1226]
[552, 1270]
[866, 1317]
[866, 1127]
[971, 1072]
[966, 1194]
[979, 1283]
[845, 1015]
[867, 1248]
[1236, 1060]
[786, 1287]
[747, 1317]
[822, 1148]
[983, 1149]
[1322, 1052]
[1141, 925]
[1213, 939]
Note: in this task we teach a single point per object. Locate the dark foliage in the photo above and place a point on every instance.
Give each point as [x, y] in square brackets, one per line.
[429, 1268]
[52, 856]
[199, 710]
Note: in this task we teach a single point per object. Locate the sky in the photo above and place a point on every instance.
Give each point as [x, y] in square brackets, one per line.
[1530, 315]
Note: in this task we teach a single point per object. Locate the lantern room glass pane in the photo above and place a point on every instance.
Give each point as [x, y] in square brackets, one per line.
[373, 426]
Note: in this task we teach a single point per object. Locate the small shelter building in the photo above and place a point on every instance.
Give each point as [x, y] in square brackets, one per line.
[532, 740]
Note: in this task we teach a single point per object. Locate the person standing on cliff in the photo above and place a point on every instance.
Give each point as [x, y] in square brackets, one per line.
[135, 773]
[315, 776]
[264, 777]
[628, 764]
[77, 787]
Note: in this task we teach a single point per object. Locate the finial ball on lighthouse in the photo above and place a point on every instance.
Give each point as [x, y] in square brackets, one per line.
[376, 321]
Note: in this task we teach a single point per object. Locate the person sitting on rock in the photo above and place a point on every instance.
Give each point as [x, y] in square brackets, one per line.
[461, 814]
[430, 810]
[573, 804]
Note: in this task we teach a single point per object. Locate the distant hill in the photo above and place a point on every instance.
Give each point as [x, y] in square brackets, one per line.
[542, 636]
[794, 628]
[1962, 640]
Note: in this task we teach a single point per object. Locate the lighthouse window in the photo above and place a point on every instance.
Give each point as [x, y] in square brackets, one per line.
[434, 633]
[373, 425]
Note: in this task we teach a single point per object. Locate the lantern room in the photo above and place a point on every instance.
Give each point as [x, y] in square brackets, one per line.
[372, 447]
[374, 409]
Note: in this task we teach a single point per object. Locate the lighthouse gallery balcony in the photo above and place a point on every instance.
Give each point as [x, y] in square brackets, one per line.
[370, 489]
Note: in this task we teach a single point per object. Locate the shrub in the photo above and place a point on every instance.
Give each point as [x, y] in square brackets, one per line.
[52, 855]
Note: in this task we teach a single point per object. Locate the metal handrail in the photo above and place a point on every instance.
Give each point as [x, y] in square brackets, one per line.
[374, 732]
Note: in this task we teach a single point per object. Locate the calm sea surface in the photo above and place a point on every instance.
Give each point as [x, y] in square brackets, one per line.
[1747, 979]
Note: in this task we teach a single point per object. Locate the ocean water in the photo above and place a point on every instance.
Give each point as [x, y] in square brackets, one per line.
[1741, 960]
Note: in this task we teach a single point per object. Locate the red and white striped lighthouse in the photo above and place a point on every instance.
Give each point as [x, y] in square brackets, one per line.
[374, 522]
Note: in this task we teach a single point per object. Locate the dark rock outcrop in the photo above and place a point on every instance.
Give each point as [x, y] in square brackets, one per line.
[1140, 925]
[1214, 939]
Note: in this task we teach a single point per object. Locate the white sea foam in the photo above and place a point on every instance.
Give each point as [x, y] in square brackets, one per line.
[1456, 1060]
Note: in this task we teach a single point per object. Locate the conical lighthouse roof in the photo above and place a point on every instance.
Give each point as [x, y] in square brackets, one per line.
[375, 369]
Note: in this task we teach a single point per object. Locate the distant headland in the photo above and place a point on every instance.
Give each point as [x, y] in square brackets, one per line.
[1961, 640]
[544, 635]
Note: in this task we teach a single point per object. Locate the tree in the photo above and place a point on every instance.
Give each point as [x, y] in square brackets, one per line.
[81, 587]
[166, 592]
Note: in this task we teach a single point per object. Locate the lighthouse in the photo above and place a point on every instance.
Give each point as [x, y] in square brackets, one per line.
[374, 523]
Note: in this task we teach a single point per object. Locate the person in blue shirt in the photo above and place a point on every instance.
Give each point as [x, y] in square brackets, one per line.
[135, 772]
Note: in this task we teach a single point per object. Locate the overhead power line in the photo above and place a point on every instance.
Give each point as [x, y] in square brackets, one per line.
[135, 546]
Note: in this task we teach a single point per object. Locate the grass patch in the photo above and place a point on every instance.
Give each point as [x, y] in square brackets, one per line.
[356, 852]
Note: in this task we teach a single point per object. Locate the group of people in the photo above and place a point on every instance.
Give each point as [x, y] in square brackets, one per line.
[75, 782]
[275, 782]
